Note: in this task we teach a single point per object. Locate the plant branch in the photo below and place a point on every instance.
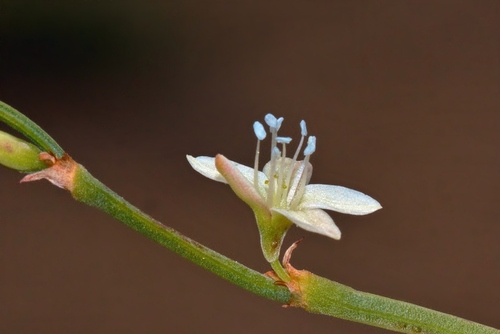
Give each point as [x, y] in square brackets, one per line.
[91, 191]
[30, 129]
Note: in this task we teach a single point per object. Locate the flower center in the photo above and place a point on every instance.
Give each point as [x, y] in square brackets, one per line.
[286, 177]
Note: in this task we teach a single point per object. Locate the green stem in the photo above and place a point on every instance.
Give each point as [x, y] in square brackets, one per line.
[30, 129]
[91, 191]
[323, 296]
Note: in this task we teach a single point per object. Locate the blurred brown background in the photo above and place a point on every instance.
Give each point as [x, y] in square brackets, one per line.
[404, 97]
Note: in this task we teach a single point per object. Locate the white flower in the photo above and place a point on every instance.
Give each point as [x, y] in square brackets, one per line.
[281, 193]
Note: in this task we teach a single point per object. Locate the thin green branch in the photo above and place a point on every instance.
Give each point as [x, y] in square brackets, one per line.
[92, 192]
[331, 298]
[30, 129]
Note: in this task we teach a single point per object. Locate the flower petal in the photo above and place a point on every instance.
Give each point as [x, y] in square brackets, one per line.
[314, 220]
[206, 167]
[337, 198]
[241, 186]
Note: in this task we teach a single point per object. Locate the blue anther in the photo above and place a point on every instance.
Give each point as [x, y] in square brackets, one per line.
[311, 145]
[270, 120]
[303, 129]
[258, 128]
[278, 123]
[283, 140]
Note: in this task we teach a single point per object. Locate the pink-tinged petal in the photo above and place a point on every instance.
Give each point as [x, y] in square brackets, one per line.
[337, 198]
[248, 173]
[315, 220]
[241, 186]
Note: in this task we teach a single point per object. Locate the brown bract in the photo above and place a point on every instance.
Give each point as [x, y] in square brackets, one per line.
[60, 172]
[298, 279]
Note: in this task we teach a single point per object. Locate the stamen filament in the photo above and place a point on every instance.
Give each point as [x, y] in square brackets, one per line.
[303, 133]
[301, 180]
[260, 133]
[301, 184]
[274, 125]
[295, 156]
[256, 167]
[281, 173]
[272, 172]
[296, 181]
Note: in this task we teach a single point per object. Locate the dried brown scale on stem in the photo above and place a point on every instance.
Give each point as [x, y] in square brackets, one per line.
[61, 172]
[296, 278]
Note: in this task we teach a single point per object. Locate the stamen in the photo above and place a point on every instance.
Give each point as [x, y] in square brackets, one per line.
[278, 123]
[292, 189]
[303, 132]
[311, 146]
[281, 167]
[270, 120]
[295, 185]
[303, 129]
[256, 167]
[274, 125]
[283, 140]
[258, 128]
[275, 153]
[300, 182]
